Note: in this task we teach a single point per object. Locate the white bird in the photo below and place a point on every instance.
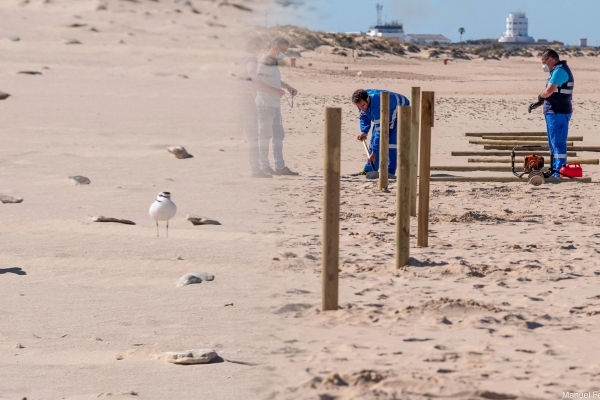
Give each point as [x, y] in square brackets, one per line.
[163, 209]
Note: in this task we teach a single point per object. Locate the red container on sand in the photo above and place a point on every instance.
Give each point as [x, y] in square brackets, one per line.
[572, 169]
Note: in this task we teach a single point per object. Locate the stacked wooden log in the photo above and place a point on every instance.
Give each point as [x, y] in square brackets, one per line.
[497, 147]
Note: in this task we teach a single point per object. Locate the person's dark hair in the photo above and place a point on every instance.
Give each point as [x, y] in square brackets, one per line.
[549, 53]
[359, 95]
[279, 41]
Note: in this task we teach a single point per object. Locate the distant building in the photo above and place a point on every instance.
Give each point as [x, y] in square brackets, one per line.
[544, 42]
[516, 29]
[395, 30]
[427, 39]
[582, 43]
[392, 30]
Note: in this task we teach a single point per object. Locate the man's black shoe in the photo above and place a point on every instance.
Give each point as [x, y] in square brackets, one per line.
[285, 171]
[268, 171]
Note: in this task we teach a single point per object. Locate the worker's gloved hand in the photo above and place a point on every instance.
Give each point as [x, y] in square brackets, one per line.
[533, 106]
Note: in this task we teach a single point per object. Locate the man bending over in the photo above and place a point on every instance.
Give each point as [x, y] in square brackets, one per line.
[369, 108]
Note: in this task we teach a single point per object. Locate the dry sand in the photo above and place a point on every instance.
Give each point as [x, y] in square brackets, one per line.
[502, 305]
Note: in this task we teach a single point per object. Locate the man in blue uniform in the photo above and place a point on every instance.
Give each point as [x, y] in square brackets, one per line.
[369, 107]
[558, 105]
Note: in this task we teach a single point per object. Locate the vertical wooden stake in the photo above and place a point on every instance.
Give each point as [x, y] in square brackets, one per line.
[331, 208]
[415, 103]
[427, 113]
[384, 140]
[403, 188]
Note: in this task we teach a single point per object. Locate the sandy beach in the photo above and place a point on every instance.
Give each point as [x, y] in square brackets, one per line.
[503, 304]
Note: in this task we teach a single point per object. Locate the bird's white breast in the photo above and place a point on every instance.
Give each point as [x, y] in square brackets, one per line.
[163, 210]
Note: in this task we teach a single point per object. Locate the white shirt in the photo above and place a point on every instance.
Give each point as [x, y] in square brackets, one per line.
[269, 74]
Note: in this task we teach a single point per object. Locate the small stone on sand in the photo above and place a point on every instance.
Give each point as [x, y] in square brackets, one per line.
[194, 277]
[14, 38]
[4, 95]
[201, 220]
[4, 198]
[80, 180]
[179, 152]
[72, 41]
[30, 72]
[109, 219]
[189, 357]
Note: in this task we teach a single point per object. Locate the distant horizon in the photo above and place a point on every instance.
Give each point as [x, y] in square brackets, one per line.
[445, 17]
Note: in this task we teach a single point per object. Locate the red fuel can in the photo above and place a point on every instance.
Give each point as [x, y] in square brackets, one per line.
[572, 169]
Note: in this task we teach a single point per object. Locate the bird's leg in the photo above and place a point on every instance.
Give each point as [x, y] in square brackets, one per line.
[167, 228]
[156, 228]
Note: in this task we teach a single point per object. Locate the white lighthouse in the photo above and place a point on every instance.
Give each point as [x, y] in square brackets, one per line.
[516, 29]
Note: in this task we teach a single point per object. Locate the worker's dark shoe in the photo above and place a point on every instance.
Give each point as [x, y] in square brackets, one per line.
[268, 171]
[373, 175]
[285, 171]
[363, 172]
[261, 174]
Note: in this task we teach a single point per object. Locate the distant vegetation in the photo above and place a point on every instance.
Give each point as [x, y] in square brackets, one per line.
[302, 39]
[462, 31]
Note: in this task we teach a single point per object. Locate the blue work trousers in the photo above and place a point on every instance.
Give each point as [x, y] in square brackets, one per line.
[392, 155]
[557, 126]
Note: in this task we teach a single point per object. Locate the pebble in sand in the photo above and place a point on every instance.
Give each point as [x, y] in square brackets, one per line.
[80, 180]
[194, 277]
[202, 220]
[189, 357]
[179, 152]
[4, 198]
[110, 219]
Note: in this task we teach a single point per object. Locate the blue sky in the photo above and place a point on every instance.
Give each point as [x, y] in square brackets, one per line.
[567, 20]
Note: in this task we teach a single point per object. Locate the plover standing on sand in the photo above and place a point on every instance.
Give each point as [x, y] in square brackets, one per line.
[163, 209]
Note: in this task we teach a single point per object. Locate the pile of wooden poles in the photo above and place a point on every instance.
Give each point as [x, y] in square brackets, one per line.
[497, 147]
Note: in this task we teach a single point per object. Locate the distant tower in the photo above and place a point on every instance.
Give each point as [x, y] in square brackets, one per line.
[516, 29]
[379, 8]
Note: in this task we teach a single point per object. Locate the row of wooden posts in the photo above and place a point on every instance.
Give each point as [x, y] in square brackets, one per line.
[421, 110]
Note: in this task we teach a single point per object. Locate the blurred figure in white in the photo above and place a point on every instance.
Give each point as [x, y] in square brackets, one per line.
[249, 65]
[268, 100]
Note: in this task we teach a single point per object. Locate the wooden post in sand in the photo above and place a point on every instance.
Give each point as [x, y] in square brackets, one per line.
[427, 112]
[331, 208]
[403, 188]
[384, 140]
[415, 103]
